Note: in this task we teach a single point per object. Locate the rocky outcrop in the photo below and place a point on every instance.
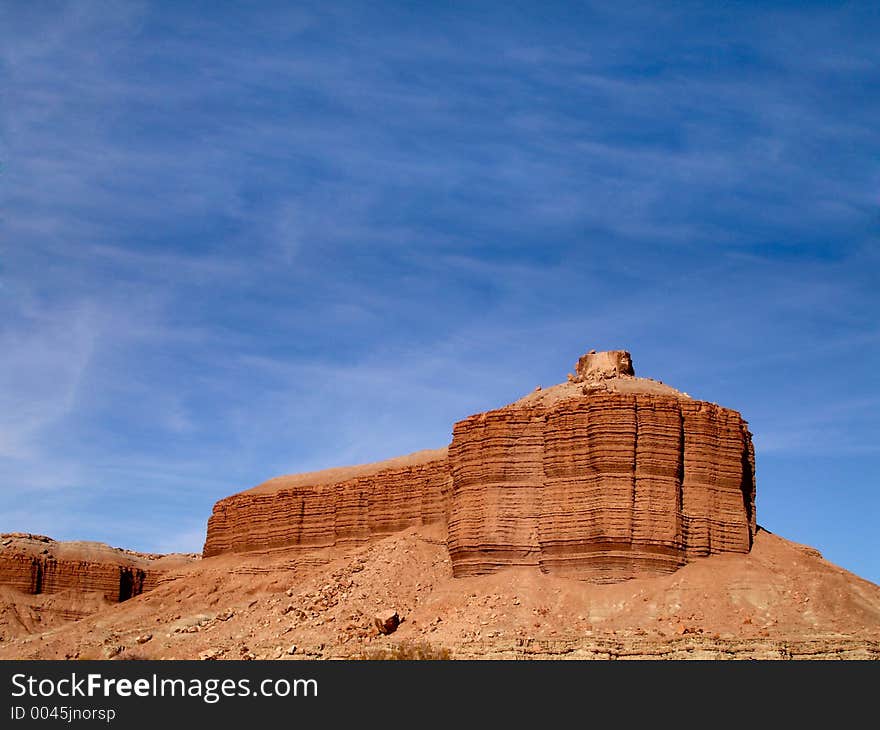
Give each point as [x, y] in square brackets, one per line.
[496, 462]
[603, 478]
[333, 507]
[36, 574]
[604, 487]
[599, 365]
[36, 564]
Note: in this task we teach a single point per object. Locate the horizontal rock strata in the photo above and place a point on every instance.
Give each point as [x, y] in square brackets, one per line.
[338, 506]
[602, 487]
[36, 564]
[603, 478]
[47, 575]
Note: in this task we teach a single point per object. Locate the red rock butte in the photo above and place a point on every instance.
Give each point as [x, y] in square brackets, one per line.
[605, 477]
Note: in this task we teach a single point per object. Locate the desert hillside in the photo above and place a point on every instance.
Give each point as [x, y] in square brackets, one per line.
[608, 516]
[781, 600]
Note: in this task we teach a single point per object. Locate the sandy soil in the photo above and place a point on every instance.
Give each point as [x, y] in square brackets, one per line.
[782, 600]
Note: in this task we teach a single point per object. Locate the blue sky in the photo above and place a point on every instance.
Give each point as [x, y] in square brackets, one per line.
[239, 240]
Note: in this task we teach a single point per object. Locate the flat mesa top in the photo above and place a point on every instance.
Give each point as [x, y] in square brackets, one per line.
[344, 473]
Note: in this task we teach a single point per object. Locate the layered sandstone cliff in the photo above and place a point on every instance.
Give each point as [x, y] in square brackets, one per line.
[36, 564]
[603, 478]
[349, 505]
[603, 487]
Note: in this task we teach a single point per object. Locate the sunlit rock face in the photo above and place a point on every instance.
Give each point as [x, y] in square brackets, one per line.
[603, 478]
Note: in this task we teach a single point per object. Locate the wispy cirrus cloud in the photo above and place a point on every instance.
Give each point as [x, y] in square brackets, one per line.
[265, 239]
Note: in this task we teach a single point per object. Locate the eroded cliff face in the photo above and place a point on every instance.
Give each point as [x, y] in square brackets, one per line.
[602, 478]
[37, 574]
[350, 505]
[603, 487]
[36, 564]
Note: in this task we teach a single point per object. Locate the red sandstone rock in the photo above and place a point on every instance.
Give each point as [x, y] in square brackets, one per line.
[36, 564]
[601, 478]
[598, 365]
[799, 606]
[601, 487]
[349, 505]
[387, 621]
